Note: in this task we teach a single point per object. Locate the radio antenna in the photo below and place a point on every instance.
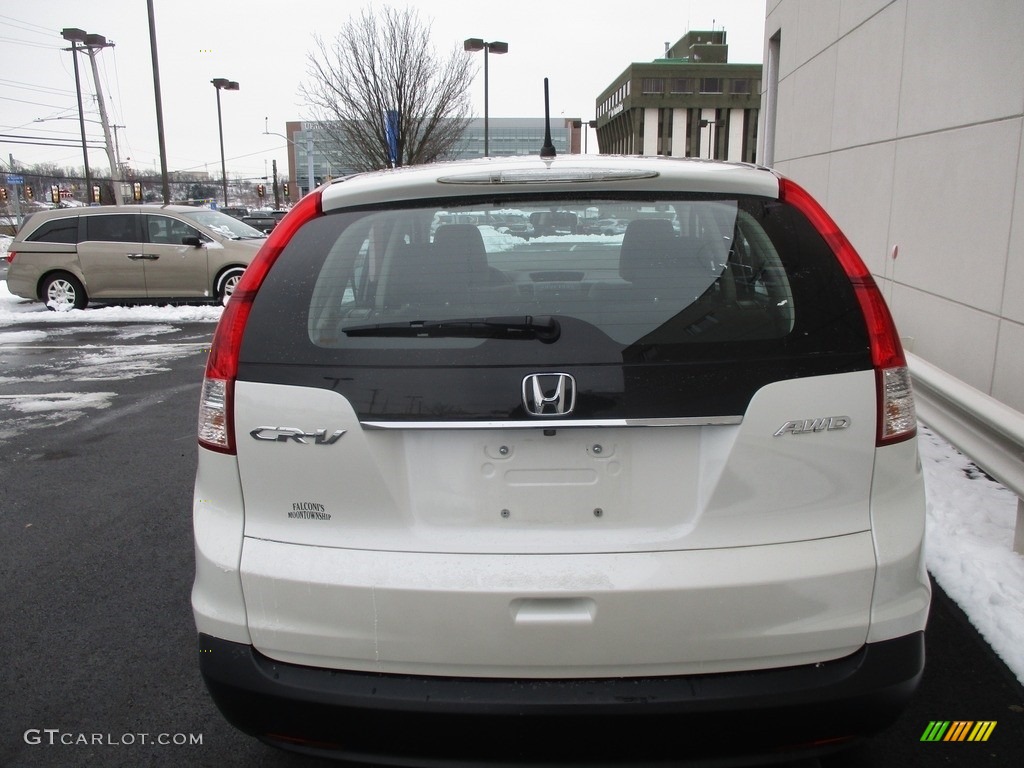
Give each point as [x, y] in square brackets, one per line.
[548, 150]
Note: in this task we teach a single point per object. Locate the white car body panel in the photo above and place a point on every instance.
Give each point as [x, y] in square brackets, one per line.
[369, 558]
[553, 616]
[422, 182]
[656, 488]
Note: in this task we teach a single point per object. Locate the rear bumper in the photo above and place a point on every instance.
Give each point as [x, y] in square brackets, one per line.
[415, 720]
[22, 286]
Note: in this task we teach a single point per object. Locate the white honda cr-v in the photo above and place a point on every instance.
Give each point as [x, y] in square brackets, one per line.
[567, 496]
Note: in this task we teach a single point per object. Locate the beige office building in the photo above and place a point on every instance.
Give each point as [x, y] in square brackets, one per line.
[906, 119]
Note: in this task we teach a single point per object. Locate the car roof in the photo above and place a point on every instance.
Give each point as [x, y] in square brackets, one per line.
[98, 209]
[565, 174]
[39, 217]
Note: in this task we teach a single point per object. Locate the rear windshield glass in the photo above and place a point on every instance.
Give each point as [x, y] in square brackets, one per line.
[685, 277]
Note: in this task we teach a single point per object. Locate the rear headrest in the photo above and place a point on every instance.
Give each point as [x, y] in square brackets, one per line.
[460, 248]
[649, 247]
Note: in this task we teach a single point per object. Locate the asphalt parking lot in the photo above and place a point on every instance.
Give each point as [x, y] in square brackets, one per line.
[97, 433]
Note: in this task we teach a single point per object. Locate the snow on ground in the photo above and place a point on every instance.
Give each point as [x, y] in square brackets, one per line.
[969, 545]
[970, 517]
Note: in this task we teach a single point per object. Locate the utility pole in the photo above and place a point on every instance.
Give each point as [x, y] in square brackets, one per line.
[17, 195]
[74, 35]
[159, 104]
[92, 44]
[277, 189]
[117, 148]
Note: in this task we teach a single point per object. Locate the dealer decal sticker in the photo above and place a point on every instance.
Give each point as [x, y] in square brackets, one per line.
[308, 510]
[958, 730]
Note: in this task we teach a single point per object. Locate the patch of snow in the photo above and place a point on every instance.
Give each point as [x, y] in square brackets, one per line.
[48, 410]
[969, 546]
[22, 337]
[59, 401]
[14, 309]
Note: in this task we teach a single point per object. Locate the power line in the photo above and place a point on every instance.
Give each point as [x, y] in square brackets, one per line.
[33, 87]
[28, 26]
[37, 141]
[33, 103]
[30, 45]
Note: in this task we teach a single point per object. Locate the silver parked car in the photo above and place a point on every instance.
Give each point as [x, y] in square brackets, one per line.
[68, 257]
[573, 498]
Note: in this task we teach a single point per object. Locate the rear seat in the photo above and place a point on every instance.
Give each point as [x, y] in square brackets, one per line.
[450, 277]
[662, 274]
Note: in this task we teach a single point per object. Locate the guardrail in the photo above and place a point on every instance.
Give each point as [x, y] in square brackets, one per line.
[990, 433]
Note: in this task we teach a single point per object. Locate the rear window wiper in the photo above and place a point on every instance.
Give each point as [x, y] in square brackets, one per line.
[545, 328]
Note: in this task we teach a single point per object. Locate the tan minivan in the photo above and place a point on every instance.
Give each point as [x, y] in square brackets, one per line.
[70, 256]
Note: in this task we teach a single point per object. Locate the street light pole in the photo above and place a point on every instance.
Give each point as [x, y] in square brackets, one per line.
[585, 127]
[478, 44]
[309, 149]
[710, 124]
[228, 85]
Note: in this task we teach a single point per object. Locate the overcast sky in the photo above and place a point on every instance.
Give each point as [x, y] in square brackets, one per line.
[580, 45]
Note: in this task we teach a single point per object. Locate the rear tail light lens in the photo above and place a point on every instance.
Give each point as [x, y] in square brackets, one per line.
[897, 418]
[216, 406]
[213, 422]
[899, 415]
[10, 257]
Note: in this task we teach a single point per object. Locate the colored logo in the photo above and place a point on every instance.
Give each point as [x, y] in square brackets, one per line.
[958, 730]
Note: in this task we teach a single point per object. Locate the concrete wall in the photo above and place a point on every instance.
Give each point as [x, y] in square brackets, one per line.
[905, 118]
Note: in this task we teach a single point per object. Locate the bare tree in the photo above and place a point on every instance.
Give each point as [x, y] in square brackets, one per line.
[382, 63]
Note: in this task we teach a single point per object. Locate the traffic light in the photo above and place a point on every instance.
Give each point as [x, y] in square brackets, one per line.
[28, 193]
[137, 190]
[55, 194]
[3, 194]
[285, 189]
[261, 190]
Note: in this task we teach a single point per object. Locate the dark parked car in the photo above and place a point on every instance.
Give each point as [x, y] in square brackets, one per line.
[265, 221]
[238, 213]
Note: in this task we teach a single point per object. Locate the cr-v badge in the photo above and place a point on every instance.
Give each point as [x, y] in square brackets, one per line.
[549, 394]
[284, 434]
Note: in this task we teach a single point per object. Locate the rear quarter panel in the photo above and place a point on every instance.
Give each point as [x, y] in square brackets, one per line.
[35, 260]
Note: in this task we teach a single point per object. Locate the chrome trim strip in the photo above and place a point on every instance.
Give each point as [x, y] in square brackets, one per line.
[685, 421]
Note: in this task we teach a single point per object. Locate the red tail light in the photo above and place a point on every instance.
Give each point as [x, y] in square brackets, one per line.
[10, 257]
[216, 406]
[897, 419]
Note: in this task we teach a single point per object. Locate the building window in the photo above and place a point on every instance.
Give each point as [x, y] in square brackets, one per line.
[741, 85]
[682, 85]
[653, 85]
[711, 85]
